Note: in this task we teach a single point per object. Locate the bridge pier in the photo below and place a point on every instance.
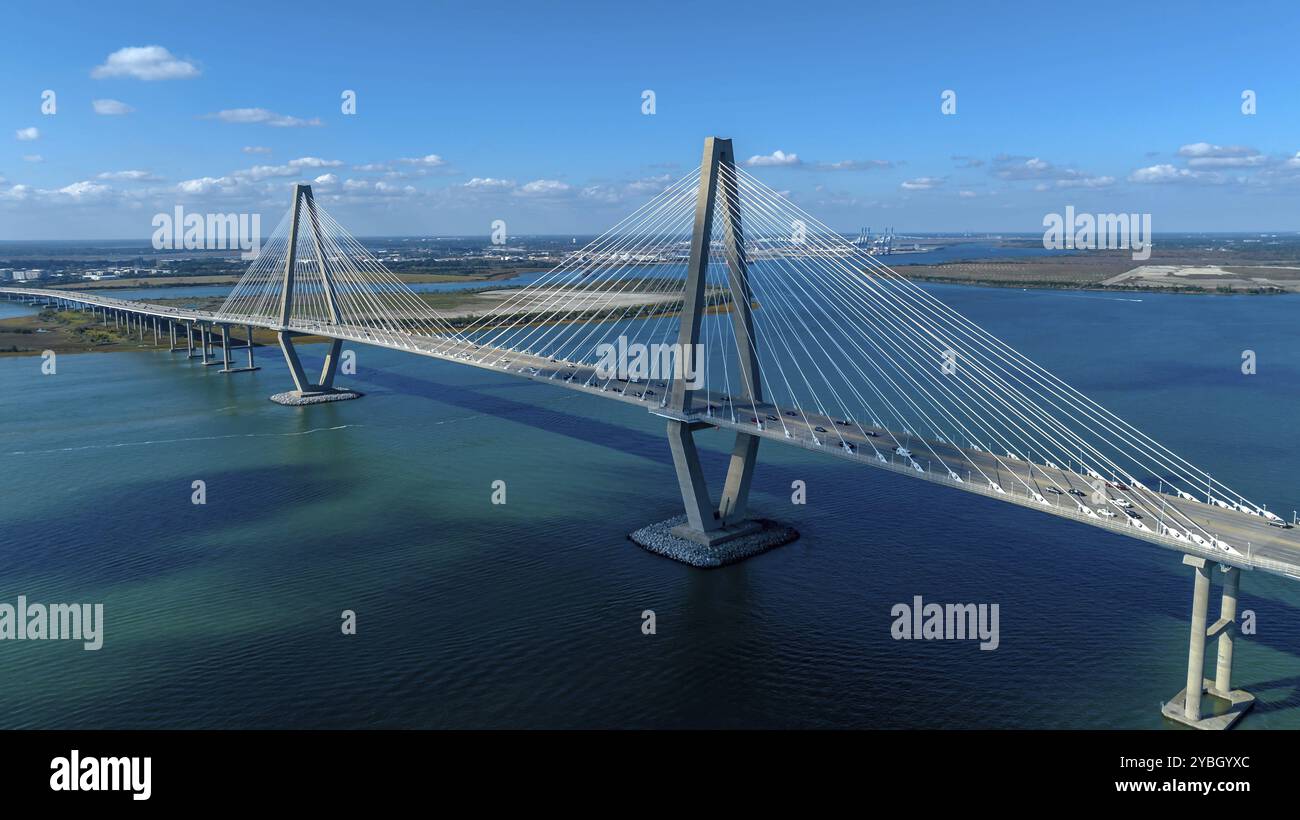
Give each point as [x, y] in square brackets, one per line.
[1229, 704]
[306, 391]
[225, 351]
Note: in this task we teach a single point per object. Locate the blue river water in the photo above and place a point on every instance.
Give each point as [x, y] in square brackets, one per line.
[529, 613]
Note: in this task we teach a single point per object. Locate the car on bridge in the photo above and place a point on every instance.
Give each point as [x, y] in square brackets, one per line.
[1102, 511]
[903, 451]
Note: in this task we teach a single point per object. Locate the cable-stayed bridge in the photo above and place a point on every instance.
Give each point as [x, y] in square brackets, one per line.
[720, 304]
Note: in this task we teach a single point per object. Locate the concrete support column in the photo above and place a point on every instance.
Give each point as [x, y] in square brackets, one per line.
[205, 342]
[300, 382]
[690, 477]
[734, 505]
[155, 331]
[225, 347]
[331, 365]
[171, 334]
[1196, 649]
[189, 340]
[1228, 618]
[249, 330]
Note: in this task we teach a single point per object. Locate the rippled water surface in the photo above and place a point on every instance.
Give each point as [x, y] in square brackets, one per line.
[528, 614]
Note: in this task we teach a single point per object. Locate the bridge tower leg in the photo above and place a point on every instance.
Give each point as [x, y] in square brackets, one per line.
[306, 391]
[1228, 704]
[700, 539]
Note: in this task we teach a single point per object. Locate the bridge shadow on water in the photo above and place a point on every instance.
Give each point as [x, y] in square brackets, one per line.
[775, 478]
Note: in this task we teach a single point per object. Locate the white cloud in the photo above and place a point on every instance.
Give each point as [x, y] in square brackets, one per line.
[1206, 155]
[264, 117]
[489, 184]
[256, 149]
[145, 63]
[967, 194]
[111, 108]
[922, 184]
[27, 134]
[261, 172]
[1205, 149]
[543, 187]
[428, 160]
[776, 158]
[314, 162]
[128, 176]
[326, 179]
[204, 185]
[1161, 173]
[33, 158]
[85, 191]
[376, 188]
[372, 166]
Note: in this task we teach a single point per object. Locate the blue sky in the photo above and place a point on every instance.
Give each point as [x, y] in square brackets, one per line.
[531, 112]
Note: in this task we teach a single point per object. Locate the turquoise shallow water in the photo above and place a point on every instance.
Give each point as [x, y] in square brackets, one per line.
[472, 614]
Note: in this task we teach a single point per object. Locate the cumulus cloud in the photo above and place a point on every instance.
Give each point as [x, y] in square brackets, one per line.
[1166, 173]
[27, 134]
[205, 185]
[489, 184]
[111, 108]
[145, 63]
[256, 149]
[128, 176]
[922, 184]
[292, 167]
[326, 179]
[1204, 155]
[428, 160]
[543, 187]
[375, 188]
[1047, 174]
[262, 116]
[84, 191]
[776, 158]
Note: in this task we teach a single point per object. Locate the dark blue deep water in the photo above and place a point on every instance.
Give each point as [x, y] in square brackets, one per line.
[528, 614]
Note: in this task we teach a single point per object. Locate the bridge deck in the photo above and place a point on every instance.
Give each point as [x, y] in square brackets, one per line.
[1235, 537]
